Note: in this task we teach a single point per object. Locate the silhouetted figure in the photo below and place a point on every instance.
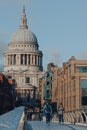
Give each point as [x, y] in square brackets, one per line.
[47, 111]
[60, 113]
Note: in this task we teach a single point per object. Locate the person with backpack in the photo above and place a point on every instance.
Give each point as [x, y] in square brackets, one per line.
[60, 113]
[47, 111]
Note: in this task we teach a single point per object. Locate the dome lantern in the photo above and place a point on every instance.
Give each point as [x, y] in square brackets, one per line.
[23, 23]
[23, 34]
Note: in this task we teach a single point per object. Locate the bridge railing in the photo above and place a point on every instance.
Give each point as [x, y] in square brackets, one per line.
[13, 120]
[76, 116]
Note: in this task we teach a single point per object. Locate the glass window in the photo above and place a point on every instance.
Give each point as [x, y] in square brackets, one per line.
[47, 82]
[27, 80]
[47, 75]
[82, 68]
[84, 100]
[84, 91]
[84, 83]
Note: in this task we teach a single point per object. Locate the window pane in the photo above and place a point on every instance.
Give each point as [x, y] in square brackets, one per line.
[27, 80]
[84, 83]
[82, 68]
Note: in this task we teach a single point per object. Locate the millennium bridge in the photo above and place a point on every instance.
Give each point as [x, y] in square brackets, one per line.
[19, 119]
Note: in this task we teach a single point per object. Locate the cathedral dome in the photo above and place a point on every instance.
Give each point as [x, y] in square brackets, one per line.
[23, 34]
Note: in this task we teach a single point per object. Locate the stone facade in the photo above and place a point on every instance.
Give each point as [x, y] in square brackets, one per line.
[69, 84]
[23, 59]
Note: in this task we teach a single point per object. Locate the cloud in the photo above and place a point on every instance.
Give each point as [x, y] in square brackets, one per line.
[82, 55]
[52, 56]
[55, 56]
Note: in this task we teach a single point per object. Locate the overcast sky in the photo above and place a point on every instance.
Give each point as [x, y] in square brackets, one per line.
[59, 25]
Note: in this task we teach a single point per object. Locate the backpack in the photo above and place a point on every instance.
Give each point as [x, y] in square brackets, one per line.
[47, 108]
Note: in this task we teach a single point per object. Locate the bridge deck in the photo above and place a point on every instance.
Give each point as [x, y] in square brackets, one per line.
[41, 125]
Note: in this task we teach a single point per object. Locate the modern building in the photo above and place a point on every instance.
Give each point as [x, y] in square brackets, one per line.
[46, 84]
[70, 88]
[67, 84]
[23, 60]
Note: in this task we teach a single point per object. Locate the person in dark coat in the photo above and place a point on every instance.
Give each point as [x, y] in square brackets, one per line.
[47, 111]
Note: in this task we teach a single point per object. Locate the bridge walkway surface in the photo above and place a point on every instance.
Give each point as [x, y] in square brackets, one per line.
[16, 120]
[41, 125]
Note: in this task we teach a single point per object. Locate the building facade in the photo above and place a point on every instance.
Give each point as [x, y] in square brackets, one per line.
[23, 60]
[70, 84]
[46, 88]
[67, 84]
[7, 94]
[70, 88]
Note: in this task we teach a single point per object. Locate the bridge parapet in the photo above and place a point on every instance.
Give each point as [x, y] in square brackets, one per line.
[76, 116]
[13, 120]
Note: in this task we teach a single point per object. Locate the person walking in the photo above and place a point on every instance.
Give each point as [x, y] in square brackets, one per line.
[60, 113]
[47, 111]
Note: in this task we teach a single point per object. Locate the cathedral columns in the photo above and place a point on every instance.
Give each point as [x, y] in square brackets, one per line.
[30, 59]
[37, 59]
[12, 59]
[34, 59]
[23, 59]
[27, 59]
[9, 59]
[40, 61]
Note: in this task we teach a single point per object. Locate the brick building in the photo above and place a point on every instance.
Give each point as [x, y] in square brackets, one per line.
[6, 93]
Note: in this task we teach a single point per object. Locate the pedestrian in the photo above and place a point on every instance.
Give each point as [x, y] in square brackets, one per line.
[60, 113]
[47, 111]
